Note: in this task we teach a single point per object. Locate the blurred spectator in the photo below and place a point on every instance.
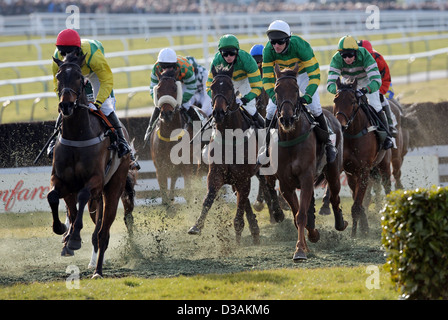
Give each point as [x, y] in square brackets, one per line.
[17, 7]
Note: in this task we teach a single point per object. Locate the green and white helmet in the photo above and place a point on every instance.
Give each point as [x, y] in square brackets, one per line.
[228, 41]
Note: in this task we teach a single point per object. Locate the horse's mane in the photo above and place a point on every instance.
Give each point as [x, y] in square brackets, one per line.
[168, 73]
[224, 70]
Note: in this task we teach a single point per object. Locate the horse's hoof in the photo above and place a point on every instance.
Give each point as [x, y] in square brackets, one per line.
[314, 236]
[256, 239]
[279, 216]
[325, 211]
[74, 244]
[194, 230]
[343, 227]
[258, 206]
[97, 276]
[66, 252]
[299, 256]
[59, 229]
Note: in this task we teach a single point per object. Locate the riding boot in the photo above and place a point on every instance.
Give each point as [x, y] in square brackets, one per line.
[258, 119]
[388, 143]
[50, 148]
[331, 150]
[392, 129]
[123, 146]
[152, 121]
[264, 150]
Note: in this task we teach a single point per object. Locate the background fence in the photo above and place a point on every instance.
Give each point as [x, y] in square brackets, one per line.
[125, 28]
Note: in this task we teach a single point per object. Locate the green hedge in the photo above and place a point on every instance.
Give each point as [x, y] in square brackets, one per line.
[415, 237]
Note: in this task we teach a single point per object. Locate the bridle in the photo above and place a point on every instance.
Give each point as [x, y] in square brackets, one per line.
[230, 101]
[295, 105]
[77, 93]
[352, 116]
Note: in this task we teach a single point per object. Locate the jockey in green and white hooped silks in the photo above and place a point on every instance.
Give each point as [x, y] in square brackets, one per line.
[354, 62]
[286, 50]
[246, 76]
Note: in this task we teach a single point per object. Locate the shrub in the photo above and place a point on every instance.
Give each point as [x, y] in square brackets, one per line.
[415, 236]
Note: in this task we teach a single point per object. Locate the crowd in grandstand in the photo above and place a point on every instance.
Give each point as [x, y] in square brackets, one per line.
[16, 7]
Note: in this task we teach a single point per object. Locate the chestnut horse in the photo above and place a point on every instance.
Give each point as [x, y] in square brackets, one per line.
[302, 161]
[362, 151]
[85, 166]
[238, 171]
[170, 130]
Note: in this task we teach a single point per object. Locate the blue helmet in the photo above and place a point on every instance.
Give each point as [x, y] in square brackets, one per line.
[257, 50]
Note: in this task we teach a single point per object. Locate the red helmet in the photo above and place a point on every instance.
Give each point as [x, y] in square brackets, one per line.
[366, 44]
[68, 37]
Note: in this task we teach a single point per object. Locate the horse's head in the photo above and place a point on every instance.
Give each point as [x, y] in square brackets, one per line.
[345, 101]
[223, 93]
[70, 83]
[168, 93]
[287, 94]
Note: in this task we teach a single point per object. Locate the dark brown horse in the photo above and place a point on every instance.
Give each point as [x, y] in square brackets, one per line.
[302, 161]
[362, 151]
[169, 132]
[85, 167]
[237, 171]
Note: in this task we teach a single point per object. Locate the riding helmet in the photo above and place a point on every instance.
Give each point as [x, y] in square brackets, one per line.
[167, 55]
[347, 43]
[228, 41]
[68, 37]
[278, 29]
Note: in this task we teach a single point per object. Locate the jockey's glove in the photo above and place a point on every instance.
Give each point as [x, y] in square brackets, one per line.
[303, 101]
[242, 102]
[94, 107]
[308, 99]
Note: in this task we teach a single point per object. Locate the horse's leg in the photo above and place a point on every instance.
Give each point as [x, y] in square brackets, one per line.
[74, 243]
[306, 194]
[71, 214]
[358, 212]
[53, 200]
[162, 179]
[275, 209]
[325, 209]
[333, 189]
[258, 204]
[313, 234]
[253, 223]
[214, 183]
[98, 222]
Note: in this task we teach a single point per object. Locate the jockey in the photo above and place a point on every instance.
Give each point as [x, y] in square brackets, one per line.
[97, 71]
[246, 76]
[201, 98]
[257, 53]
[168, 59]
[286, 50]
[385, 81]
[354, 62]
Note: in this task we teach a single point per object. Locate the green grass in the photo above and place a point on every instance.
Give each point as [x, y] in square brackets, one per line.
[348, 283]
[46, 109]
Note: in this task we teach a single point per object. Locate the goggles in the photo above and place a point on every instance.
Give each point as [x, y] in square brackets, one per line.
[349, 54]
[226, 53]
[279, 41]
[166, 65]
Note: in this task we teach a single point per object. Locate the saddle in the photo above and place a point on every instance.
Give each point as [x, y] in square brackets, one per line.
[377, 125]
[109, 128]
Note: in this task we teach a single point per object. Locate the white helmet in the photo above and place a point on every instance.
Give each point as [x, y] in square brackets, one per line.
[167, 55]
[278, 29]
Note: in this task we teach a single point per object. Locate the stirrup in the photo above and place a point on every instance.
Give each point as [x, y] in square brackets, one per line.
[123, 149]
[388, 143]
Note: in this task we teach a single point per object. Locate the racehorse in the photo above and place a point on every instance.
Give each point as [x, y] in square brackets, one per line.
[169, 131]
[229, 117]
[302, 161]
[86, 167]
[362, 150]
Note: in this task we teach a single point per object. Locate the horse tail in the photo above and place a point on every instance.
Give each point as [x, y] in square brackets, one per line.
[131, 180]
